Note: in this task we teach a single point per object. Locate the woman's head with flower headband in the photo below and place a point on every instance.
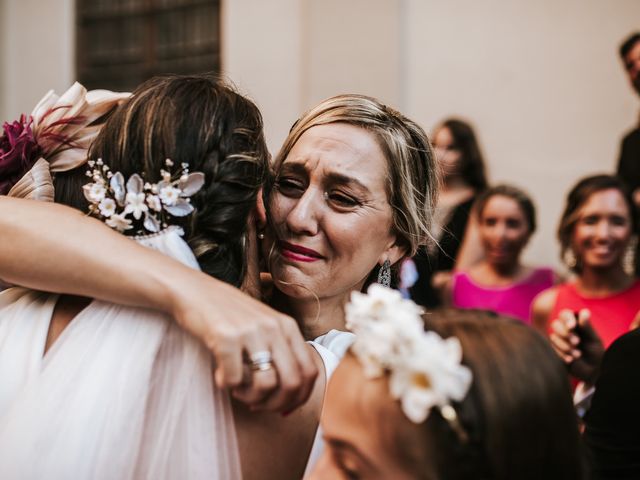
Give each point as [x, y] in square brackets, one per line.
[474, 396]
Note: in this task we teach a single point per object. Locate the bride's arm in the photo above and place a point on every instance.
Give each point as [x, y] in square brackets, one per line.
[55, 248]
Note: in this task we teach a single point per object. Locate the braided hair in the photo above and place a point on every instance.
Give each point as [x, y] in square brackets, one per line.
[200, 121]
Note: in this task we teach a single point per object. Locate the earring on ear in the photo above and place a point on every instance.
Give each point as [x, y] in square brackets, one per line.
[384, 274]
[261, 235]
[629, 257]
[569, 258]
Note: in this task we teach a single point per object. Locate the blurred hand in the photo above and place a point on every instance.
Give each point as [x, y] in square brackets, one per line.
[441, 279]
[577, 343]
[234, 326]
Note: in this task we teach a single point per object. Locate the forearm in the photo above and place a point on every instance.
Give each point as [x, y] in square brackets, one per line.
[55, 248]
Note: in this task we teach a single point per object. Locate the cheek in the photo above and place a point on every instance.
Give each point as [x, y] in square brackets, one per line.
[485, 233]
[279, 206]
[623, 234]
[580, 234]
[519, 237]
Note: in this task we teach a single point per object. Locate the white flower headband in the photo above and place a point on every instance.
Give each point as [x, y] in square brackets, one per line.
[113, 201]
[425, 370]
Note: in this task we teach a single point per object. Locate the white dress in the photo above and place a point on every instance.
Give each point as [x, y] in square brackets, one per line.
[122, 394]
[331, 347]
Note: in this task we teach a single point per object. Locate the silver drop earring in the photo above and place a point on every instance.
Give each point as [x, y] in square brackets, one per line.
[384, 274]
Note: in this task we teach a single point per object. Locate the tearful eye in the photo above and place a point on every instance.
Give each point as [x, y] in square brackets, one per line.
[341, 200]
[289, 186]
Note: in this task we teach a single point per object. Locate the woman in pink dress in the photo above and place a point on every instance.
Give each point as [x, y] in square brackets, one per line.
[500, 282]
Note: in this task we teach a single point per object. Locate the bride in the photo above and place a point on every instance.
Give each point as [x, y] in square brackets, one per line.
[123, 392]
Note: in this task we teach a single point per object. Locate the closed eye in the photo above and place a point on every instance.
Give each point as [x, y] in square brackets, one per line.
[342, 200]
[290, 187]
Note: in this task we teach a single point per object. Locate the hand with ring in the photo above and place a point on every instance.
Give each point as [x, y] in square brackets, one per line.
[261, 361]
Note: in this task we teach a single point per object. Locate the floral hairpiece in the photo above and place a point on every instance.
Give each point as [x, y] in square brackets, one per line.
[115, 202]
[53, 138]
[425, 370]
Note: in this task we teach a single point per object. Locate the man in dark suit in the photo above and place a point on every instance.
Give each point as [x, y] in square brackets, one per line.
[629, 161]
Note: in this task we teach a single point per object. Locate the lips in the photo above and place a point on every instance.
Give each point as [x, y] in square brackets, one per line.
[298, 253]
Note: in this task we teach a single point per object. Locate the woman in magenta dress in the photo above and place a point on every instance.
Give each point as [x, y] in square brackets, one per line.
[500, 282]
[595, 233]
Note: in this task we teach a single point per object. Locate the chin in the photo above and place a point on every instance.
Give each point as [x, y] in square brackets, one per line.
[603, 264]
[293, 284]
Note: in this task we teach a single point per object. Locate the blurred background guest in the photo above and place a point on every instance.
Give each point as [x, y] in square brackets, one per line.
[500, 282]
[629, 160]
[463, 179]
[595, 236]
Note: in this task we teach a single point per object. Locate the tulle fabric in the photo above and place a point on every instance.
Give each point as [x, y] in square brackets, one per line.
[122, 394]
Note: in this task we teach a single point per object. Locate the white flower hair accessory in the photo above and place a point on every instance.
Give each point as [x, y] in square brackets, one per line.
[118, 203]
[425, 370]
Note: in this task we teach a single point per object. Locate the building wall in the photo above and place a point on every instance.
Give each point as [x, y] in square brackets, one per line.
[38, 52]
[4, 41]
[541, 80]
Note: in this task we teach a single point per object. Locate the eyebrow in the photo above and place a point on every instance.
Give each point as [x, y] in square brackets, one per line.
[335, 177]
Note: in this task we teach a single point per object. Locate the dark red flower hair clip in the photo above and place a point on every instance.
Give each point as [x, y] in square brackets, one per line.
[18, 152]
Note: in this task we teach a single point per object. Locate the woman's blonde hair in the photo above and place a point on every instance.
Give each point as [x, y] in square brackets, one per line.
[412, 184]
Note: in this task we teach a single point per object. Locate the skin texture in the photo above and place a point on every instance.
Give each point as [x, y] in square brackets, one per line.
[354, 406]
[330, 197]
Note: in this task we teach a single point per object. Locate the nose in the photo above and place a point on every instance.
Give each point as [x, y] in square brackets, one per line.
[303, 217]
[498, 232]
[603, 230]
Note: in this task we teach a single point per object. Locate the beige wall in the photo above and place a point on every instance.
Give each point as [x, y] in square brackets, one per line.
[540, 79]
[38, 44]
[4, 41]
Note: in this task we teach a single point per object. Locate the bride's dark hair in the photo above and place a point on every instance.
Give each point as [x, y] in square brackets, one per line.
[200, 121]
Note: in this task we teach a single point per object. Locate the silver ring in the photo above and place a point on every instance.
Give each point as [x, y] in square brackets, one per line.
[261, 361]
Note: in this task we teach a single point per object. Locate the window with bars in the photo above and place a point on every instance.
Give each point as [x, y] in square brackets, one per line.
[121, 43]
